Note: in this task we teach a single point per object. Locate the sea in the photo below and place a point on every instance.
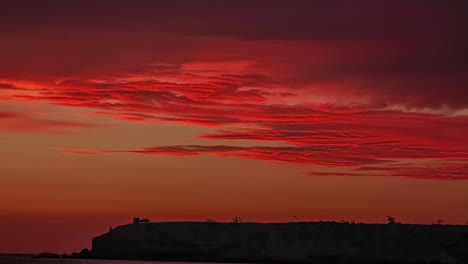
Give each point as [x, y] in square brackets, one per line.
[28, 259]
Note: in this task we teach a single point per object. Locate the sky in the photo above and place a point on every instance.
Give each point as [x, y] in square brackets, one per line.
[266, 110]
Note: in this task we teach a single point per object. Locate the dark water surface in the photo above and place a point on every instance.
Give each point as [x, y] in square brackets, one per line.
[27, 259]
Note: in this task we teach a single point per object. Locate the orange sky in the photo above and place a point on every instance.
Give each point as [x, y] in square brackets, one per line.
[179, 111]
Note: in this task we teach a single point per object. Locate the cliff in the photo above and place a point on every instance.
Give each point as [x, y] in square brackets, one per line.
[309, 242]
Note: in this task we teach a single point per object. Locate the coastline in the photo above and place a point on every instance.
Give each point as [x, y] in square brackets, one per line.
[296, 243]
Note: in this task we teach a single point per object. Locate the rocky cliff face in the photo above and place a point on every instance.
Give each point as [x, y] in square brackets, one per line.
[285, 242]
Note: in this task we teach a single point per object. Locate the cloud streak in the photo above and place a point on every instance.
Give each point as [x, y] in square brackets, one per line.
[355, 160]
[19, 122]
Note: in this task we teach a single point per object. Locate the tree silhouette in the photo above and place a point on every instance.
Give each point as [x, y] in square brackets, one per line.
[391, 220]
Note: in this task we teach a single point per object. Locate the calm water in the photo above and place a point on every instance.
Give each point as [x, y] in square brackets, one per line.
[27, 259]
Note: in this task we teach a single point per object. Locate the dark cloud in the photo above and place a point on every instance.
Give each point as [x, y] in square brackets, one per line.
[257, 19]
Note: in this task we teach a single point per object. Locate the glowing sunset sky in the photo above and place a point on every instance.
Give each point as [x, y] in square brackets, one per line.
[187, 110]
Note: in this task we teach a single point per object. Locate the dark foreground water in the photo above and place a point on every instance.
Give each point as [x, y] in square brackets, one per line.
[27, 259]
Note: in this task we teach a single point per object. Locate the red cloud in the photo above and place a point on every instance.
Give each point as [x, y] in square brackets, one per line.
[382, 82]
[322, 135]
